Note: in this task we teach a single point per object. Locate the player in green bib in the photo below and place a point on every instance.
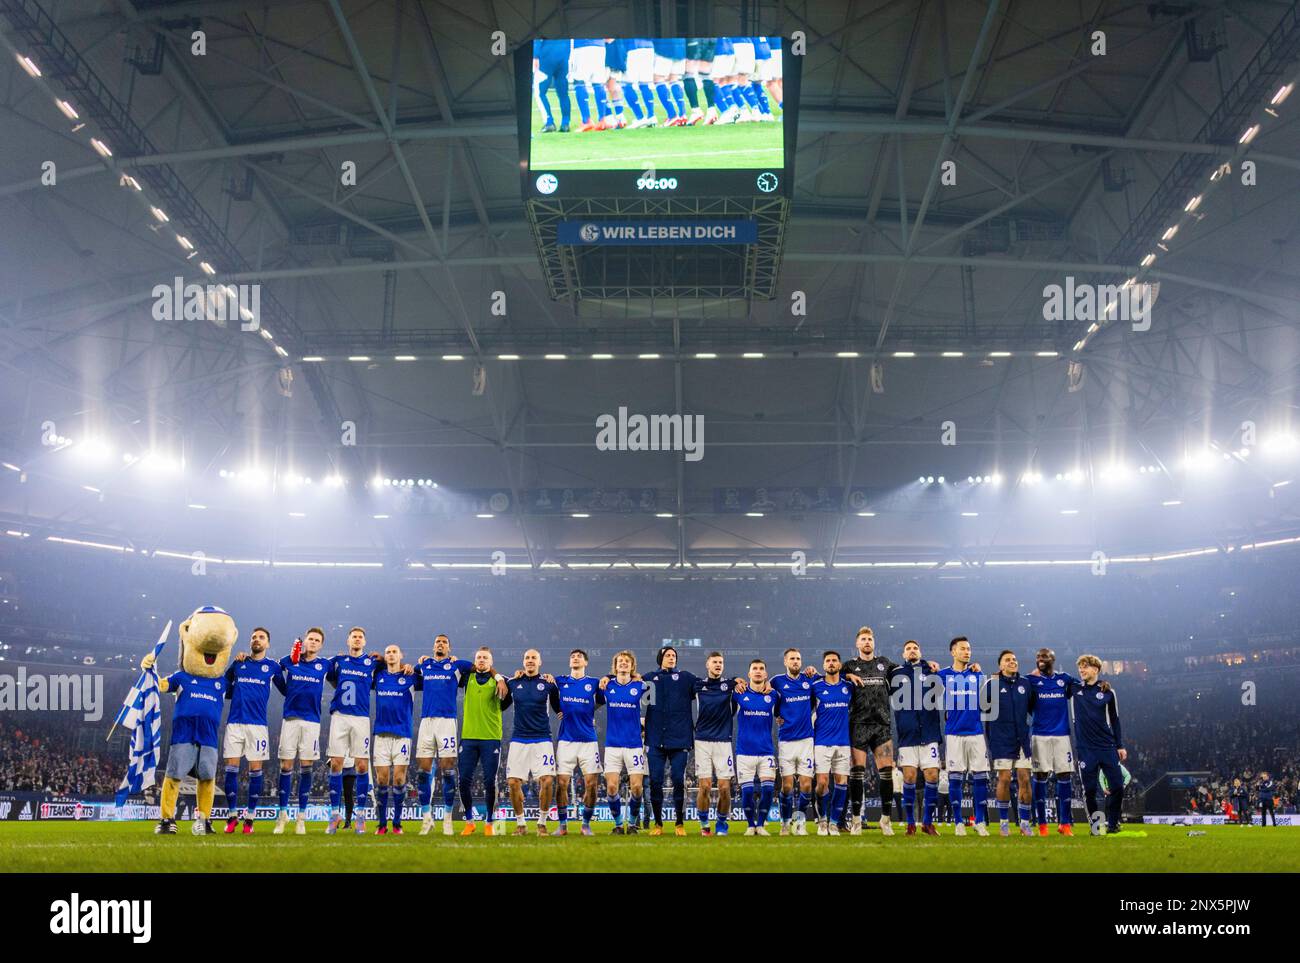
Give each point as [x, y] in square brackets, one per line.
[486, 697]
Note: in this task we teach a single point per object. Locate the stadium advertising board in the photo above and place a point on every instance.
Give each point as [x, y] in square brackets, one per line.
[652, 117]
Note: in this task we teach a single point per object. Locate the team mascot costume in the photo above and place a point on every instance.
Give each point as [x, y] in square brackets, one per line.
[207, 638]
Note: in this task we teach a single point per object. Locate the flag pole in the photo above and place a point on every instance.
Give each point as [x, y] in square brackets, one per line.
[162, 640]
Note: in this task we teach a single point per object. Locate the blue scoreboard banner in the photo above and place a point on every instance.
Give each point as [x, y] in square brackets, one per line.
[644, 232]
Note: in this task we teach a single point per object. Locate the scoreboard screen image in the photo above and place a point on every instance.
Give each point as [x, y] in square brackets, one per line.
[643, 117]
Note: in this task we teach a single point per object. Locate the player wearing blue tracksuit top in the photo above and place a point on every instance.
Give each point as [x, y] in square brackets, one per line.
[1011, 699]
[669, 733]
[551, 66]
[965, 748]
[247, 732]
[1050, 739]
[915, 694]
[1099, 742]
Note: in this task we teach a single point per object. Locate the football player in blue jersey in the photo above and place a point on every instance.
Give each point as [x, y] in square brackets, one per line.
[624, 744]
[794, 750]
[1050, 741]
[247, 735]
[532, 754]
[965, 747]
[714, 757]
[394, 687]
[577, 747]
[437, 738]
[302, 683]
[831, 760]
[352, 676]
[757, 706]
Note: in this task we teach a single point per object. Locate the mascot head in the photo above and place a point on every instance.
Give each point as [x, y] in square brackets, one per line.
[207, 638]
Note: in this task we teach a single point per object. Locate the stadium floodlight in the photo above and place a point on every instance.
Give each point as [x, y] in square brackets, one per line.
[866, 514]
[904, 354]
[705, 355]
[1171, 503]
[297, 514]
[197, 507]
[648, 357]
[404, 357]
[664, 515]
[929, 479]
[847, 354]
[940, 479]
[999, 354]
[753, 354]
[580, 515]
[1282, 94]
[556, 357]
[67, 109]
[1046, 354]
[507, 357]
[970, 514]
[100, 147]
[313, 357]
[602, 357]
[1069, 511]
[453, 357]
[28, 64]
[753, 514]
[159, 214]
[379, 518]
[953, 354]
[358, 357]
[485, 515]
[184, 242]
[1249, 134]
[1193, 204]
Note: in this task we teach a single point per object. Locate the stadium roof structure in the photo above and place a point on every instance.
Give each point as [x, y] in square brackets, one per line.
[909, 312]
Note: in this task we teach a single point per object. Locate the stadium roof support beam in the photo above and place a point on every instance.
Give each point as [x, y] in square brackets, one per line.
[945, 148]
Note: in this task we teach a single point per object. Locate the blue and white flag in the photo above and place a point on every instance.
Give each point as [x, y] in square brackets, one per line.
[141, 712]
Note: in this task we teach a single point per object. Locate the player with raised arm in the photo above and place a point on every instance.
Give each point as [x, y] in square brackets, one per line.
[964, 745]
[480, 736]
[352, 676]
[1011, 700]
[1100, 743]
[247, 734]
[532, 754]
[757, 706]
[794, 746]
[832, 697]
[1050, 741]
[714, 758]
[394, 686]
[624, 750]
[915, 697]
[302, 683]
[577, 747]
[440, 677]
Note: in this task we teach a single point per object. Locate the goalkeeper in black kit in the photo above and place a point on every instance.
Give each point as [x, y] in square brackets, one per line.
[869, 730]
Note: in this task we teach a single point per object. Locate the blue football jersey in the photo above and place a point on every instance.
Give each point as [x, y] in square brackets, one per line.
[754, 722]
[713, 719]
[831, 725]
[395, 703]
[532, 697]
[351, 676]
[796, 706]
[441, 678]
[1052, 713]
[578, 701]
[199, 702]
[250, 690]
[961, 702]
[623, 714]
[303, 685]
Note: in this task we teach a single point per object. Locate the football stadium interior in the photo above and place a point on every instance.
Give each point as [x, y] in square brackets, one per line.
[319, 311]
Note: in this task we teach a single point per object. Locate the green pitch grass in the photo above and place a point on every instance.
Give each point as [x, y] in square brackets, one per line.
[132, 847]
[741, 146]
